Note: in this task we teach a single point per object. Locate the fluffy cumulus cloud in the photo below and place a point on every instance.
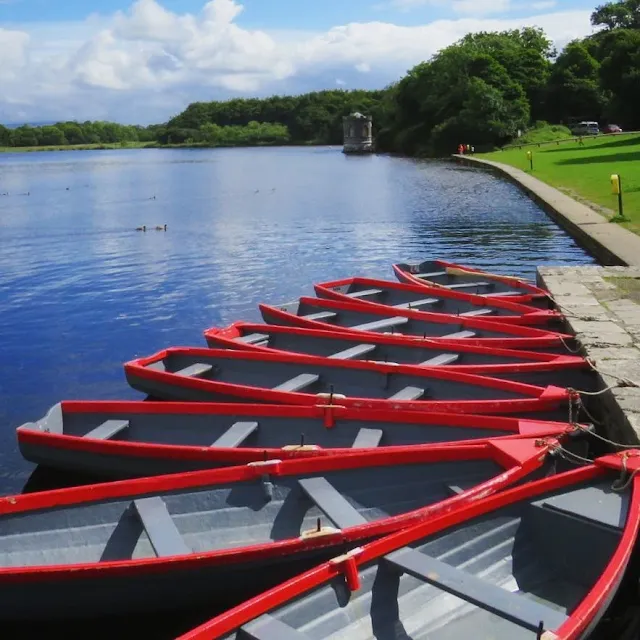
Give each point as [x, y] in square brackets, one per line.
[145, 64]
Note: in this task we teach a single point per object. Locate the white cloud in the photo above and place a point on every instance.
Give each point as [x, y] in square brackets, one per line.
[147, 63]
[465, 7]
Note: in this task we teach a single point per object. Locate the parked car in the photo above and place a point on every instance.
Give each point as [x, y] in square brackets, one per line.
[612, 128]
[586, 129]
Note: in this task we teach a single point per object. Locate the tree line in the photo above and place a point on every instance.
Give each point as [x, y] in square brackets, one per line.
[489, 86]
[482, 90]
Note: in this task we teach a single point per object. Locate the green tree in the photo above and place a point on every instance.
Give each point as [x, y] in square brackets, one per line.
[624, 14]
[574, 89]
[51, 136]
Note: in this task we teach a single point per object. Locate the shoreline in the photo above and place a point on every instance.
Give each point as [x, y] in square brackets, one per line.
[116, 146]
[610, 243]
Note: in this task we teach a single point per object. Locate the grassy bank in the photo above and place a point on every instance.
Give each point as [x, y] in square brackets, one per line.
[584, 171]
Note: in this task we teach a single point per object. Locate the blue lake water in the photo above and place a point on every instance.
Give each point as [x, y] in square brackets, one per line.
[81, 291]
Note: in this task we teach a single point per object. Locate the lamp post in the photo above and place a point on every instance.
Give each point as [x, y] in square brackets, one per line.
[616, 189]
[530, 157]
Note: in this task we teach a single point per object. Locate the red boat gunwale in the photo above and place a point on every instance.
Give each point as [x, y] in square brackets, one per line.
[522, 314]
[577, 622]
[539, 398]
[522, 336]
[518, 457]
[533, 361]
[513, 428]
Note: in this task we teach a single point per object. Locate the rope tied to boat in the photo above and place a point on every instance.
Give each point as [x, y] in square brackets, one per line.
[621, 484]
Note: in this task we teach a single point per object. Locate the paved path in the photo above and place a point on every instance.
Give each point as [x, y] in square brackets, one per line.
[598, 308]
[609, 242]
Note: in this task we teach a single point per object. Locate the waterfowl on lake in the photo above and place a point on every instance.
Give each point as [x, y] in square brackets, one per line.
[142, 228]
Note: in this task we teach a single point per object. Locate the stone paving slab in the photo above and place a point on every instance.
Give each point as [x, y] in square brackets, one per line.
[607, 326]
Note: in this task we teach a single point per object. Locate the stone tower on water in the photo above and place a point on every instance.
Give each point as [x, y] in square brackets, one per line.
[358, 133]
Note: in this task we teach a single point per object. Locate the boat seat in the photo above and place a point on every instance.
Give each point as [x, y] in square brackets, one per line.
[408, 393]
[417, 303]
[235, 435]
[433, 274]
[442, 359]
[460, 487]
[156, 366]
[460, 334]
[354, 352]
[267, 627]
[469, 285]
[379, 325]
[332, 502]
[516, 608]
[322, 315]
[298, 383]
[195, 370]
[107, 429]
[367, 439]
[252, 338]
[163, 534]
[477, 313]
[365, 293]
[500, 294]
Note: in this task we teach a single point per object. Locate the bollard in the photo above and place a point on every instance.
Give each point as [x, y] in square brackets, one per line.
[616, 189]
[530, 157]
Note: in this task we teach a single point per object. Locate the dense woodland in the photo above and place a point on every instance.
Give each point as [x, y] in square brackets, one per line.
[482, 90]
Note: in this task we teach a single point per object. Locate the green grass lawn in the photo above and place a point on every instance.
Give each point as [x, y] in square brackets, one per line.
[584, 172]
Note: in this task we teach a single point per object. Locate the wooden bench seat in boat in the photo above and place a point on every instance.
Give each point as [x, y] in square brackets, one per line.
[460, 334]
[469, 285]
[332, 502]
[195, 370]
[378, 325]
[365, 293]
[354, 352]
[253, 338]
[235, 435]
[433, 274]
[477, 313]
[367, 438]
[408, 393]
[267, 627]
[298, 383]
[163, 534]
[322, 315]
[502, 294]
[442, 359]
[417, 303]
[107, 429]
[514, 607]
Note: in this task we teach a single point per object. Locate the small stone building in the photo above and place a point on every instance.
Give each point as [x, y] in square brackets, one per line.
[358, 133]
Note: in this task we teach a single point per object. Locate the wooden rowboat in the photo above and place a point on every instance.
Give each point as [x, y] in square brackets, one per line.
[434, 300]
[315, 313]
[456, 277]
[542, 560]
[212, 536]
[217, 375]
[127, 439]
[531, 367]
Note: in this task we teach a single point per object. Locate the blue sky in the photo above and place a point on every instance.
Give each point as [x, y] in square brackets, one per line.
[143, 60]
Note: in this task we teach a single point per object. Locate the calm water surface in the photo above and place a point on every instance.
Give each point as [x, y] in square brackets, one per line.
[81, 291]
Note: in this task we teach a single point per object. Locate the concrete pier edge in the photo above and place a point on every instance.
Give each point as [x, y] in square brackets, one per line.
[608, 242]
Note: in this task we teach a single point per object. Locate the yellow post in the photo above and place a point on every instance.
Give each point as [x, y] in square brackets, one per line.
[616, 189]
[530, 157]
